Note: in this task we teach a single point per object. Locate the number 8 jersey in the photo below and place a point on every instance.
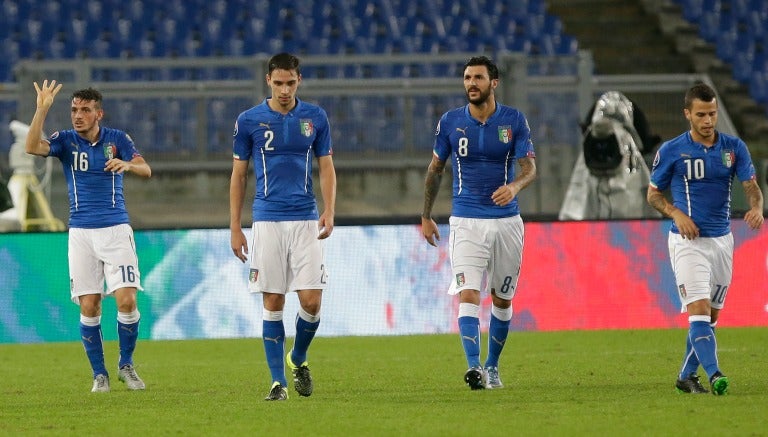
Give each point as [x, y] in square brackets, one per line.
[700, 178]
[95, 196]
[483, 157]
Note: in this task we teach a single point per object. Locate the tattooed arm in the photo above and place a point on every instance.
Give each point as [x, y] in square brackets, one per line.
[753, 217]
[431, 188]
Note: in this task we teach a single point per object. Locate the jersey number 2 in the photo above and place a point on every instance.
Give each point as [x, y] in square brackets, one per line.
[269, 135]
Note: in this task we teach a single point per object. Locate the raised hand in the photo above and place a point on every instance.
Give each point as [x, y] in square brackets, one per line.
[46, 94]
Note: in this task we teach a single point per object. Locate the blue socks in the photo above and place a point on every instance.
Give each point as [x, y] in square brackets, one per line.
[469, 329]
[274, 347]
[94, 347]
[127, 333]
[305, 332]
[701, 336]
[497, 337]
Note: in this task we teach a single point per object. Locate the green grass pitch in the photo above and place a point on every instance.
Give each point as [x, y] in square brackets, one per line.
[556, 383]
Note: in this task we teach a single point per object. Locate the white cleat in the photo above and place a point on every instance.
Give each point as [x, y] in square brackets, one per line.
[128, 375]
[100, 384]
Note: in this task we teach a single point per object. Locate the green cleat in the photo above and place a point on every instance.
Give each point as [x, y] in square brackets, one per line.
[719, 383]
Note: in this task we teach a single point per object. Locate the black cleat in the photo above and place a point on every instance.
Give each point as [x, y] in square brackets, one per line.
[690, 384]
[475, 378]
[302, 379]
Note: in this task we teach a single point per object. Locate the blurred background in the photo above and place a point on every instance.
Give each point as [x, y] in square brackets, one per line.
[175, 74]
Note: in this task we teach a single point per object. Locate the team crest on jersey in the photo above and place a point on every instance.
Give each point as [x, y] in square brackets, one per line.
[110, 151]
[505, 134]
[307, 128]
[460, 281]
[253, 275]
[681, 288]
[728, 158]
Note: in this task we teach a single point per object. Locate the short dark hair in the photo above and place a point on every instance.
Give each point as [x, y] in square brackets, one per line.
[88, 94]
[700, 91]
[283, 61]
[493, 70]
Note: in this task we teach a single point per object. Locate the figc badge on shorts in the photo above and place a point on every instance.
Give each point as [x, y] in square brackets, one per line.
[253, 275]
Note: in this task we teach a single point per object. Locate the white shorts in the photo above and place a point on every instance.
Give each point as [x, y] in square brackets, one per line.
[99, 255]
[286, 256]
[486, 251]
[703, 268]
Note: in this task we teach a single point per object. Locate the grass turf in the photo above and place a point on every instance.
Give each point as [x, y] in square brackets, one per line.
[556, 383]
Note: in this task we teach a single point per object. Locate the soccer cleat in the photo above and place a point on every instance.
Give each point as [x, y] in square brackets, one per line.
[302, 379]
[690, 384]
[128, 375]
[476, 378]
[494, 381]
[719, 384]
[277, 393]
[100, 384]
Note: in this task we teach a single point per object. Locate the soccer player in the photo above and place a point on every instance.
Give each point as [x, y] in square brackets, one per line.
[483, 139]
[698, 168]
[282, 134]
[101, 246]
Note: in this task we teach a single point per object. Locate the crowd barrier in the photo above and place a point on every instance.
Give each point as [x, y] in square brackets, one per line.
[384, 280]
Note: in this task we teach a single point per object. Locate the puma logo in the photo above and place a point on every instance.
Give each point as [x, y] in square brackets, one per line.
[266, 125]
[88, 339]
[500, 343]
[126, 328]
[464, 131]
[703, 337]
[276, 339]
[472, 339]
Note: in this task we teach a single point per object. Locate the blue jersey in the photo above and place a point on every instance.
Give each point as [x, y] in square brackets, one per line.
[282, 148]
[700, 178]
[483, 157]
[95, 196]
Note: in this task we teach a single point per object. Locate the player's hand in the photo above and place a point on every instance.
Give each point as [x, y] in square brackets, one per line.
[325, 226]
[685, 225]
[117, 165]
[239, 244]
[504, 194]
[47, 93]
[754, 219]
[429, 230]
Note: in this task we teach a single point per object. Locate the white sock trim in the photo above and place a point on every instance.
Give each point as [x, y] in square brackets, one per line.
[469, 310]
[503, 314]
[701, 318]
[271, 316]
[90, 321]
[309, 318]
[129, 318]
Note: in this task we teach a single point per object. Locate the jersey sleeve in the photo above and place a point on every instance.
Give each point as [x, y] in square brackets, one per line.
[241, 145]
[442, 147]
[323, 145]
[745, 168]
[661, 174]
[56, 142]
[126, 147]
[523, 142]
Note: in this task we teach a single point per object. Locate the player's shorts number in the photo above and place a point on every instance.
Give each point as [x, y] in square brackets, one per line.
[129, 274]
[506, 284]
[719, 295]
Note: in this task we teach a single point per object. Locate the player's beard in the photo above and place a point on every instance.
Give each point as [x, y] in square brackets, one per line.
[484, 95]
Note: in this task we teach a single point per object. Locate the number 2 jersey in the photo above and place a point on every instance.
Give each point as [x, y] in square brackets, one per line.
[700, 178]
[483, 157]
[283, 147]
[95, 196]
